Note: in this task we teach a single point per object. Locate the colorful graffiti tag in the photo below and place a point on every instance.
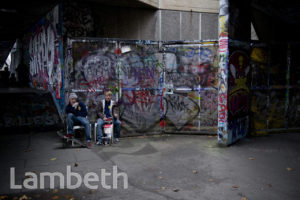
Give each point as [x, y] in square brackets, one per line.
[274, 98]
[223, 73]
[138, 73]
[77, 18]
[28, 111]
[191, 71]
[239, 91]
[45, 56]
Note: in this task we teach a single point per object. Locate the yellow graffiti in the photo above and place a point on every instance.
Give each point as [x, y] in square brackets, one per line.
[193, 96]
[240, 85]
[259, 55]
[222, 25]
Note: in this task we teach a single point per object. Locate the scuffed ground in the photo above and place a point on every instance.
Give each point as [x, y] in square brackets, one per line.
[160, 167]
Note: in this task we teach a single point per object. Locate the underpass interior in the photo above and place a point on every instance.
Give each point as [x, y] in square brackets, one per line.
[202, 91]
[179, 81]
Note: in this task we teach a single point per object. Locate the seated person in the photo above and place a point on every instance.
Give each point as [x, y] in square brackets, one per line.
[106, 109]
[77, 113]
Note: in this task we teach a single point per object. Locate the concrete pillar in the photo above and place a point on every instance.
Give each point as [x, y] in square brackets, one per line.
[223, 73]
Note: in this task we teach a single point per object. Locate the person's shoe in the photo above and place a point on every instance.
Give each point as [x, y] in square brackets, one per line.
[98, 143]
[68, 136]
[88, 144]
[117, 140]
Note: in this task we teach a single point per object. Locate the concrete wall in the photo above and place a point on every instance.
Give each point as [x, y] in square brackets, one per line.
[170, 89]
[210, 6]
[43, 52]
[28, 109]
[82, 20]
[147, 24]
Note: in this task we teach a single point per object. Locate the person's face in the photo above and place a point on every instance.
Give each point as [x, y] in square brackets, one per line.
[108, 97]
[72, 101]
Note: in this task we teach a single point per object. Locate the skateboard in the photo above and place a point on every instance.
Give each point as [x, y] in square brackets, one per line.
[70, 141]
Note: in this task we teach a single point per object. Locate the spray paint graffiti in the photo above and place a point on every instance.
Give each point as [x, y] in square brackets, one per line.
[137, 71]
[223, 73]
[131, 70]
[78, 21]
[238, 102]
[140, 76]
[92, 70]
[259, 97]
[259, 111]
[239, 84]
[190, 67]
[208, 109]
[44, 47]
[140, 111]
[259, 59]
[180, 112]
[29, 110]
[190, 70]
[274, 99]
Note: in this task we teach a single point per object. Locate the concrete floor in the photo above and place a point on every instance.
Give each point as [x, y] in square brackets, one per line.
[161, 167]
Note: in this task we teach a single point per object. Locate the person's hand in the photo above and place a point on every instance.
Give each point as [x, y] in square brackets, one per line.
[104, 118]
[75, 104]
[116, 115]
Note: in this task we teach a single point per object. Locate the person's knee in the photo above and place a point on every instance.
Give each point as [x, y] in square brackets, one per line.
[117, 123]
[86, 123]
[100, 122]
[70, 115]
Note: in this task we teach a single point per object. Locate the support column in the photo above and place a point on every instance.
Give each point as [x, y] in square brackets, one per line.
[223, 73]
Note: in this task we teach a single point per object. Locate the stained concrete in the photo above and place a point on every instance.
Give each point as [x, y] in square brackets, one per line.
[152, 24]
[162, 167]
[209, 26]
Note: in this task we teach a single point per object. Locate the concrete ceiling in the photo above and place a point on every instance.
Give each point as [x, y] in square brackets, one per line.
[276, 20]
[17, 17]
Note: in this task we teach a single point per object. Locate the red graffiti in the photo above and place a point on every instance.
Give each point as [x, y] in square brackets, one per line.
[223, 44]
[94, 84]
[143, 99]
[239, 103]
[162, 123]
[222, 98]
[222, 108]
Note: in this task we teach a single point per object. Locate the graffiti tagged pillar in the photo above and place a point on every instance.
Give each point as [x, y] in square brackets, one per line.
[223, 73]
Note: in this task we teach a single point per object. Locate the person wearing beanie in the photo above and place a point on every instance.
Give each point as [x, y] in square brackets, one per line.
[77, 113]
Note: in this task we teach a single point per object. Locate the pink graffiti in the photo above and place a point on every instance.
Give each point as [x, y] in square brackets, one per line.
[222, 108]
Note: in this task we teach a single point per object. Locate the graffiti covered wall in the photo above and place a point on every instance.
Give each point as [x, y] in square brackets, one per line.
[274, 88]
[77, 19]
[28, 110]
[223, 73]
[141, 76]
[239, 91]
[263, 88]
[91, 68]
[172, 88]
[44, 54]
[131, 70]
[191, 75]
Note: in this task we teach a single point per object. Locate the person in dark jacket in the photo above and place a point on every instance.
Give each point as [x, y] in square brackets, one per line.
[77, 113]
[108, 108]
